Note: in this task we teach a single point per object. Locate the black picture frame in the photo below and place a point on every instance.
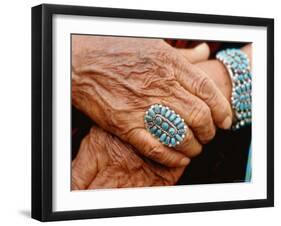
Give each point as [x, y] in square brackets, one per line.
[42, 111]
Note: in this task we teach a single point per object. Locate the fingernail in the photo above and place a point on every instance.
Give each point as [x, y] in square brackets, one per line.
[203, 50]
[227, 123]
[201, 46]
[184, 161]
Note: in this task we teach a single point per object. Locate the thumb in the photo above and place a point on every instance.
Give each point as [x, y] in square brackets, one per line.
[199, 53]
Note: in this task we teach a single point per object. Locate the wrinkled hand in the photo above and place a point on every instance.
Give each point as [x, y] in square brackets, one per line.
[104, 161]
[219, 74]
[115, 80]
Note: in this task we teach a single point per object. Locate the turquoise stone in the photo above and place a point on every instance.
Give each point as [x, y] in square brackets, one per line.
[165, 126]
[238, 90]
[172, 117]
[181, 125]
[158, 120]
[151, 113]
[241, 78]
[179, 138]
[148, 118]
[172, 131]
[181, 131]
[153, 129]
[157, 109]
[167, 141]
[163, 111]
[177, 121]
[173, 141]
[163, 137]
[158, 133]
[167, 113]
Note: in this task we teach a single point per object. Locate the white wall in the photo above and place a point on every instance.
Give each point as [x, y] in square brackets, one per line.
[15, 93]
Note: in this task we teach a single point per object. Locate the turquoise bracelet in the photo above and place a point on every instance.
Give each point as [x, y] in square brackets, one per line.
[237, 64]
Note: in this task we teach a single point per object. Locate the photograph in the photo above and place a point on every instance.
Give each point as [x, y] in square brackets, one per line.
[140, 112]
[159, 112]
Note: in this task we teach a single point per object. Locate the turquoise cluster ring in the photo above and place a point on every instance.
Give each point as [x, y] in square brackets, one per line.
[165, 125]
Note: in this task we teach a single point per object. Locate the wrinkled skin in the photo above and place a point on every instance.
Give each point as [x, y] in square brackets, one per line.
[115, 80]
[104, 161]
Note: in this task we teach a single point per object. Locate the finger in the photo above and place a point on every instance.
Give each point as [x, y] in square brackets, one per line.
[197, 54]
[105, 179]
[151, 148]
[190, 145]
[195, 112]
[198, 83]
[84, 167]
[219, 74]
[91, 158]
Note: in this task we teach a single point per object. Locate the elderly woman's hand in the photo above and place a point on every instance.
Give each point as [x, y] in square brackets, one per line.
[219, 74]
[104, 161]
[115, 81]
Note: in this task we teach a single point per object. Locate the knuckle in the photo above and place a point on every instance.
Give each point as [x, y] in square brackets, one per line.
[197, 150]
[200, 116]
[77, 183]
[192, 150]
[190, 146]
[208, 135]
[155, 153]
[74, 185]
[205, 88]
[202, 85]
[170, 180]
[211, 134]
[212, 99]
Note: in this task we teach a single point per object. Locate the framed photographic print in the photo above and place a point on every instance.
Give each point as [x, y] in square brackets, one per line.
[146, 112]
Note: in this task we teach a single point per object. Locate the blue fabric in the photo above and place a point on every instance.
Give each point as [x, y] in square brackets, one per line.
[248, 176]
